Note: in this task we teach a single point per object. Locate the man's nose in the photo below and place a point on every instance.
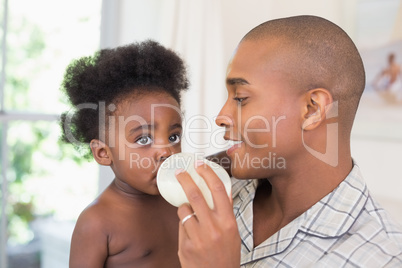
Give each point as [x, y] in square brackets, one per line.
[223, 121]
[224, 118]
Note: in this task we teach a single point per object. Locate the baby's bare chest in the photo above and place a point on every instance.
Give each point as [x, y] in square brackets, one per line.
[142, 239]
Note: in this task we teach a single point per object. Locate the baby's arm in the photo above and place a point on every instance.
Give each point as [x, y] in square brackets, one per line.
[88, 243]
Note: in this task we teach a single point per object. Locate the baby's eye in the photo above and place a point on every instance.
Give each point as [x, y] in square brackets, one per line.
[144, 140]
[175, 138]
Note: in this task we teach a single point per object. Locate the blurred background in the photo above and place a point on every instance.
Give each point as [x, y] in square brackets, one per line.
[46, 184]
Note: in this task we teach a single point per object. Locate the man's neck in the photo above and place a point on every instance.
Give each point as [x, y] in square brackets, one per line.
[282, 199]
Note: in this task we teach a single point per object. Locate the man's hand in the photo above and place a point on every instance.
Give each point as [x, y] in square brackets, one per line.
[210, 238]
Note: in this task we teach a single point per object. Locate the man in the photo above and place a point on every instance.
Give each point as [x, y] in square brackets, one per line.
[294, 85]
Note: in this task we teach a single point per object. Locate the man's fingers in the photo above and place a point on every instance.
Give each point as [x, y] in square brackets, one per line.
[188, 221]
[222, 200]
[194, 195]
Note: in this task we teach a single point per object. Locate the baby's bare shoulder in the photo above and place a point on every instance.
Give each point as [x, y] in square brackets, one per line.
[96, 214]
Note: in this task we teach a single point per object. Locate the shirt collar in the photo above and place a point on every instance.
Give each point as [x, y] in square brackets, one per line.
[332, 216]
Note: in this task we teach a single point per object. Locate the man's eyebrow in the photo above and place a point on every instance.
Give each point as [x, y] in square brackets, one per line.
[236, 81]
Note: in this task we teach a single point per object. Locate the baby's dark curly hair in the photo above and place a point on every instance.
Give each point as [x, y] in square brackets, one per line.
[109, 76]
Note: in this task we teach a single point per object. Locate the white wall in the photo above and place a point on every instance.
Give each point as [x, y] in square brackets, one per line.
[207, 32]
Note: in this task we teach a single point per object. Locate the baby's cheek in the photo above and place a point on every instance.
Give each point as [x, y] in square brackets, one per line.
[176, 148]
[140, 162]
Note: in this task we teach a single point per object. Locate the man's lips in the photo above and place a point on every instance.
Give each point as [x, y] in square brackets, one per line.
[235, 145]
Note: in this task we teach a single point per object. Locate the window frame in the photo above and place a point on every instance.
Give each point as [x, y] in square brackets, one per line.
[7, 117]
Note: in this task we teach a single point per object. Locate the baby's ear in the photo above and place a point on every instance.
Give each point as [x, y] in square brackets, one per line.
[315, 105]
[101, 152]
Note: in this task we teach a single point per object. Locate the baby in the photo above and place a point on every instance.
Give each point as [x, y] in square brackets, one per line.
[127, 108]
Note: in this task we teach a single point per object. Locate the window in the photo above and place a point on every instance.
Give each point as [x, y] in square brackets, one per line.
[41, 180]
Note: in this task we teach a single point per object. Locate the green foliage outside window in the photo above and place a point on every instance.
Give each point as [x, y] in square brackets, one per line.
[45, 177]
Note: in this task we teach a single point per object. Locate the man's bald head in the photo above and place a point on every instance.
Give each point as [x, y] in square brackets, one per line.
[316, 53]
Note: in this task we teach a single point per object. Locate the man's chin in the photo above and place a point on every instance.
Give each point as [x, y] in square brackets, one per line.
[239, 174]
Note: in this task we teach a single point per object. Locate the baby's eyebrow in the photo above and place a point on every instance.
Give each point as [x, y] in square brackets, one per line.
[174, 126]
[140, 127]
[149, 126]
[236, 81]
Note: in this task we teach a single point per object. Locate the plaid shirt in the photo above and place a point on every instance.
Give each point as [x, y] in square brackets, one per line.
[346, 228]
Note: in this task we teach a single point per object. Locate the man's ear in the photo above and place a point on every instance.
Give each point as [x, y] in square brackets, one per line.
[101, 152]
[314, 109]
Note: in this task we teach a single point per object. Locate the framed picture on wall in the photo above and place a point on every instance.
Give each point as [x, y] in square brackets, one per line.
[379, 39]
